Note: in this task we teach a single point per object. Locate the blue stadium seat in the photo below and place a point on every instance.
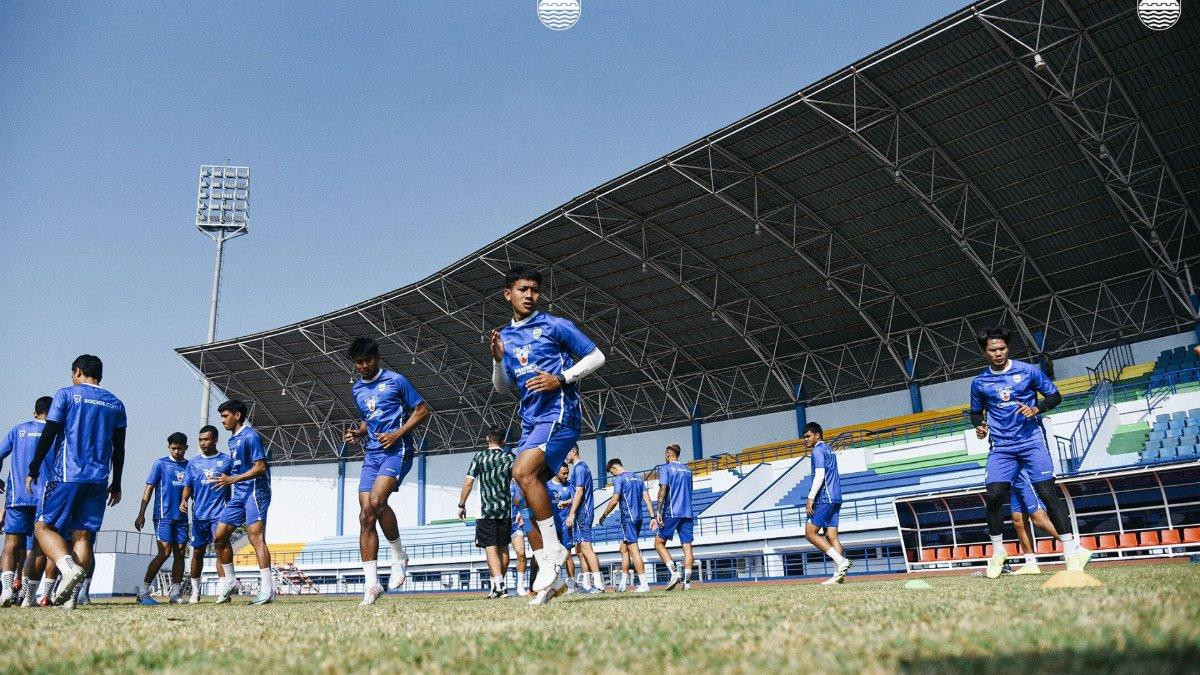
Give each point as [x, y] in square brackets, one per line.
[1187, 451]
[1174, 433]
[1164, 417]
[1158, 435]
[1194, 413]
[1188, 439]
[1153, 444]
[1170, 442]
[1178, 416]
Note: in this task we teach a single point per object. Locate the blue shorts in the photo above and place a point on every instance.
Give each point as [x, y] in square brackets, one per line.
[19, 520]
[564, 535]
[68, 507]
[672, 525]
[552, 438]
[1003, 464]
[825, 514]
[203, 532]
[171, 531]
[630, 530]
[583, 530]
[247, 508]
[391, 464]
[1024, 499]
[525, 526]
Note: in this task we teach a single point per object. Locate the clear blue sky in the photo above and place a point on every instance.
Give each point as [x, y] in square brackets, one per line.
[385, 139]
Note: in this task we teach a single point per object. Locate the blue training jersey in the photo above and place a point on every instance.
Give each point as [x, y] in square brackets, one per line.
[560, 492]
[678, 479]
[999, 394]
[89, 414]
[246, 448]
[517, 499]
[630, 487]
[207, 499]
[824, 457]
[386, 401]
[581, 477]
[21, 442]
[543, 342]
[168, 478]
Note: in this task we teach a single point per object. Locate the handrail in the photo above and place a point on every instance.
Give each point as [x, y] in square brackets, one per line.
[1109, 367]
[1162, 385]
[1072, 448]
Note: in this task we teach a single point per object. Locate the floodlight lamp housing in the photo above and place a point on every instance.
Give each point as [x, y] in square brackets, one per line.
[223, 200]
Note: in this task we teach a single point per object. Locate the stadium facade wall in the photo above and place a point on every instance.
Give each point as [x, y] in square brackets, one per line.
[305, 497]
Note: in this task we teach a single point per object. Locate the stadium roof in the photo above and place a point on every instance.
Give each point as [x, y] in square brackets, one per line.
[1018, 162]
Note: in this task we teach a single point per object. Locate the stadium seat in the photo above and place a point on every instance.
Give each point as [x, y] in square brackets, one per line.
[1128, 540]
[960, 553]
[1088, 542]
[987, 551]
[1170, 537]
[975, 552]
[1191, 535]
[943, 553]
[928, 555]
[1179, 415]
[911, 555]
[1010, 547]
[1045, 546]
[1148, 538]
[1058, 546]
[1107, 541]
[1164, 417]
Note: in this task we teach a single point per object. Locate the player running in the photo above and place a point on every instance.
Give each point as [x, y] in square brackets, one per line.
[579, 521]
[493, 469]
[544, 356]
[629, 491]
[1004, 404]
[675, 507]
[824, 502]
[560, 491]
[520, 527]
[207, 502]
[20, 504]
[249, 501]
[92, 424]
[165, 484]
[391, 410]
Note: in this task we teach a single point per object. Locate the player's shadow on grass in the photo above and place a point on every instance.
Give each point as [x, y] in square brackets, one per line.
[1180, 658]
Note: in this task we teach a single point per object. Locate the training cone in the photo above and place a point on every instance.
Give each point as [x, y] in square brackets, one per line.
[1071, 579]
[917, 584]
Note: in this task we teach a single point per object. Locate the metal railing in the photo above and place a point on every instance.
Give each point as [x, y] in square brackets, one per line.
[1071, 449]
[1115, 360]
[124, 541]
[1162, 385]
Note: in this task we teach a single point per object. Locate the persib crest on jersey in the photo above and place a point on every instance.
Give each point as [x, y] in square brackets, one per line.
[209, 473]
[1005, 393]
[382, 386]
[372, 402]
[179, 476]
[522, 354]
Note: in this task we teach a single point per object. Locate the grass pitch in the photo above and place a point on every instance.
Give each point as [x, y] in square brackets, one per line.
[1145, 619]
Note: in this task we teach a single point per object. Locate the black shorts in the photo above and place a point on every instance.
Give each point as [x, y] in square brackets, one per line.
[492, 532]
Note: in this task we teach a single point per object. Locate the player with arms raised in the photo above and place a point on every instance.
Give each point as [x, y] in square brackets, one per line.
[1004, 406]
[544, 356]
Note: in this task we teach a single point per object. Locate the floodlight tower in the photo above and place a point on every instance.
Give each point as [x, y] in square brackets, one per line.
[222, 201]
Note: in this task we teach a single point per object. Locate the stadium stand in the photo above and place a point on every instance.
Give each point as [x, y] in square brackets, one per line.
[1174, 437]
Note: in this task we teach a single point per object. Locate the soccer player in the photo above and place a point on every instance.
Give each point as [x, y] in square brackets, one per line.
[165, 484]
[520, 527]
[208, 501]
[628, 489]
[92, 423]
[1025, 504]
[20, 505]
[579, 521]
[675, 507]
[493, 469]
[248, 503]
[560, 491]
[1004, 404]
[824, 502]
[391, 410]
[544, 356]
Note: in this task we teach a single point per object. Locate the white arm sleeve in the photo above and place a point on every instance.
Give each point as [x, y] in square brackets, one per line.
[500, 381]
[818, 480]
[586, 366]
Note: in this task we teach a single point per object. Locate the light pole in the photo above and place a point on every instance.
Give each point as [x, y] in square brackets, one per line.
[222, 212]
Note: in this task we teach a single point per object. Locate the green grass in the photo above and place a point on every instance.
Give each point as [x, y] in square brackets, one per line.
[1145, 619]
